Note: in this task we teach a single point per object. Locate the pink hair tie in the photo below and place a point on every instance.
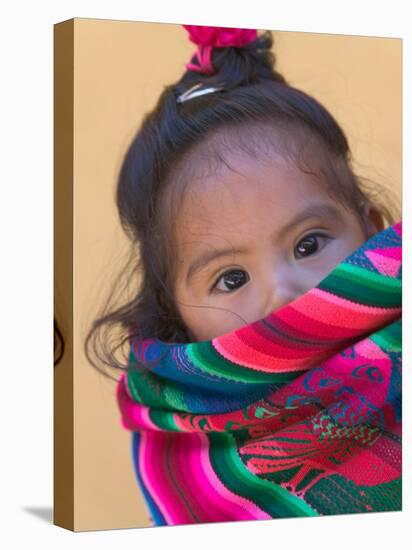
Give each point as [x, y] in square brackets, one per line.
[208, 38]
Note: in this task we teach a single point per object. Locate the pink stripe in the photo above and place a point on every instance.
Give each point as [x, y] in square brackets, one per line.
[293, 334]
[368, 349]
[306, 326]
[250, 346]
[240, 507]
[262, 338]
[244, 347]
[261, 346]
[144, 414]
[358, 315]
[193, 464]
[182, 424]
[398, 228]
[236, 352]
[192, 483]
[134, 415]
[156, 484]
[187, 503]
[358, 309]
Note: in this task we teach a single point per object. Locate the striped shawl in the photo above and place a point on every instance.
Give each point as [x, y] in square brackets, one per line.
[297, 414]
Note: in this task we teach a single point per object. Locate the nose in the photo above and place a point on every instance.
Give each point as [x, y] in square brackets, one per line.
[282, 289]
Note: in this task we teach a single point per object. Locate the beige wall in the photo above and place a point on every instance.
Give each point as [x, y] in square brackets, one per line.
[120, 67]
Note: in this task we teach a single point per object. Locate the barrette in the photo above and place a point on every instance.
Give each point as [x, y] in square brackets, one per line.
[197, 91]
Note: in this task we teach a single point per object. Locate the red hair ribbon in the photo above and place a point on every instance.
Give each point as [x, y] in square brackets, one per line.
[208, 38]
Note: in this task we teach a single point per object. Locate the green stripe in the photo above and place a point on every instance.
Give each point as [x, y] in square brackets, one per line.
[292, 440]
[395, 330]
[273, 499]
[389, 338]
[163, 420]
[358, 284]
[132, 386]
[386, 342]
[155, 392]
[206, 358]
[373, 278]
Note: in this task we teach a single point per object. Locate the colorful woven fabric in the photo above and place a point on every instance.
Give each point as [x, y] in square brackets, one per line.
[297, 414]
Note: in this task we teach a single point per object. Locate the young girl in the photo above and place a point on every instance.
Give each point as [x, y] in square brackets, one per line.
[239, 194]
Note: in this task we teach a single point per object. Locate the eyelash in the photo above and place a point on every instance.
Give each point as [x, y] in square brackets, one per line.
[213, 288]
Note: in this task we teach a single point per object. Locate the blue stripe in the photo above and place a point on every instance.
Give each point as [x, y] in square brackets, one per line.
[156, 514]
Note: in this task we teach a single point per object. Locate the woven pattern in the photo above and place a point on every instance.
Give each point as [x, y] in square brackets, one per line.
[297, 414]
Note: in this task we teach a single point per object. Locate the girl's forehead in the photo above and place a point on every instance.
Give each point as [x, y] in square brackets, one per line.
[234, 180]
[246, 191]
[232, 147]
[239, 177]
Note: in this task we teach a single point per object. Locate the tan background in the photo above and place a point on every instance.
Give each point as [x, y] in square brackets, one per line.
[120, 67]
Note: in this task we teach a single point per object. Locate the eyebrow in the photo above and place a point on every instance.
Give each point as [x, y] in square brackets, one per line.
[317, 210]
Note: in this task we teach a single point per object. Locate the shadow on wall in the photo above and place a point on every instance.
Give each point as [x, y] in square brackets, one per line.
[43, 512]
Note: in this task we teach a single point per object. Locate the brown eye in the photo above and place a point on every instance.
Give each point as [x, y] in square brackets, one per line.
[309, 245]
[231, 280]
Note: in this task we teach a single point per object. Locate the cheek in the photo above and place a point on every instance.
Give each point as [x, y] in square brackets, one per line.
[207, 322]
[352, 242]
[198, 323]
[192, 315]
[340, 249]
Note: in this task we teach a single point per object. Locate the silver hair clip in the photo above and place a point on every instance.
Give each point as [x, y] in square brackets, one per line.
[191, 93]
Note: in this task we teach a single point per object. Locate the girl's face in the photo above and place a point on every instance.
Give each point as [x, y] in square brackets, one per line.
[254, 238]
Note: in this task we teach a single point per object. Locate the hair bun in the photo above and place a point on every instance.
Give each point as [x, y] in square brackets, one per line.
[220, 37]
[231, 56]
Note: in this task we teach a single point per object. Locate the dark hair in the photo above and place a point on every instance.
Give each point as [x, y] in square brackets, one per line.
[58, 343]
[254, 93]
